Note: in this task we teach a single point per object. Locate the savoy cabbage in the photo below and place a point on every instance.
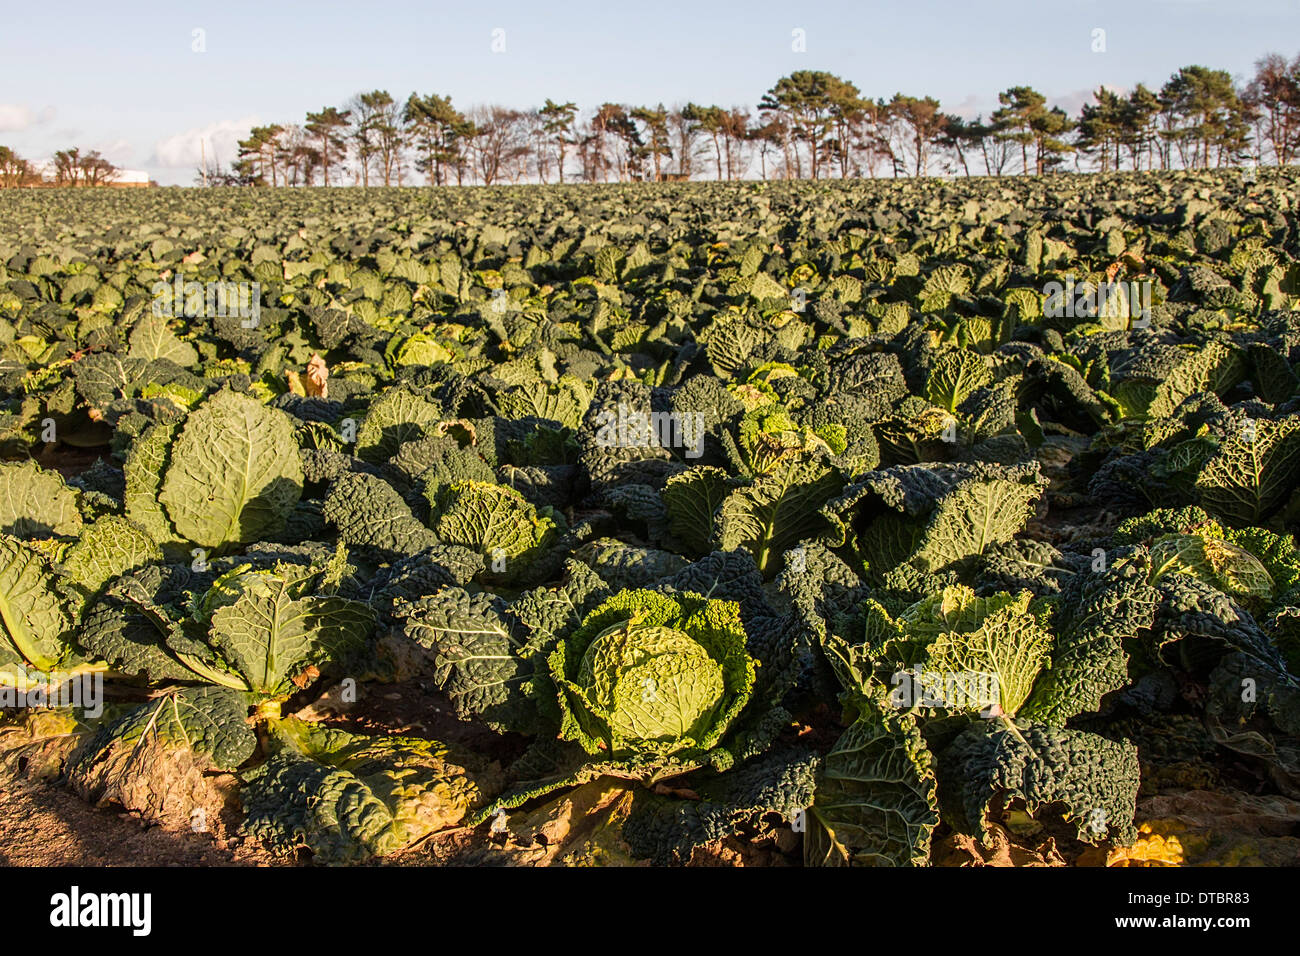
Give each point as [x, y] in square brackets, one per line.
[771, 515]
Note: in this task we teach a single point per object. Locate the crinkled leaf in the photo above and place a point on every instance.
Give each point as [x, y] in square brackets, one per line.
[495, 521]
[478, 661]
[1095, 779]
[35, 614]
[146, 464]
[693, 499]
[778, 510]
[157, 759]
[152, 339]
[875, 801]
[110, 547]
[777, 784]
[1253, 471]
[35, 503]
[348, 797]
[367, 512]
[233, 474]
[395, 417]
[271, 638]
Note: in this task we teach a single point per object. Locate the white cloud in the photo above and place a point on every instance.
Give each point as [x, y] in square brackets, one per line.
[1073, 101]
[969, 107]
[14, 117]
[219, 140]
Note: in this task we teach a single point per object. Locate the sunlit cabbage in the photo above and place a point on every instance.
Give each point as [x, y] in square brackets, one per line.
[1228, 567]
[649, 674]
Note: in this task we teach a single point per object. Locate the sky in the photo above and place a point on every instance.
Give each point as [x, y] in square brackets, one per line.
[145, 83]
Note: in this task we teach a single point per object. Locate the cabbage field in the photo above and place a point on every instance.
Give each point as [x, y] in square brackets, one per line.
[787, 523]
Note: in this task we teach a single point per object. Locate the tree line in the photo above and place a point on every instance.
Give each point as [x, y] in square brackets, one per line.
[70, 167]
[810, 124]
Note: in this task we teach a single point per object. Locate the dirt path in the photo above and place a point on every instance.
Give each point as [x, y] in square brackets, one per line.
[41, 825]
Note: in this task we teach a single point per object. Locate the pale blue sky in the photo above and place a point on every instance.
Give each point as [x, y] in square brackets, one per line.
[122, 77]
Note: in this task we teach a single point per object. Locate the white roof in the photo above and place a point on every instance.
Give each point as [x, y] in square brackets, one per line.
[46, 168]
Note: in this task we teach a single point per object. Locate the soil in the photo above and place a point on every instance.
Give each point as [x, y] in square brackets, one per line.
[43, 825]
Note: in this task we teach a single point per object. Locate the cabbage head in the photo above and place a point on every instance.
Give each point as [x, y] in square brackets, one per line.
[650, 675]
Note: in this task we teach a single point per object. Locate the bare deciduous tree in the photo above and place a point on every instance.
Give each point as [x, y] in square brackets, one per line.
[500, 142]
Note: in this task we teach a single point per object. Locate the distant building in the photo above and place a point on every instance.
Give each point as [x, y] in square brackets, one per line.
[44, 175]
[130, 178]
